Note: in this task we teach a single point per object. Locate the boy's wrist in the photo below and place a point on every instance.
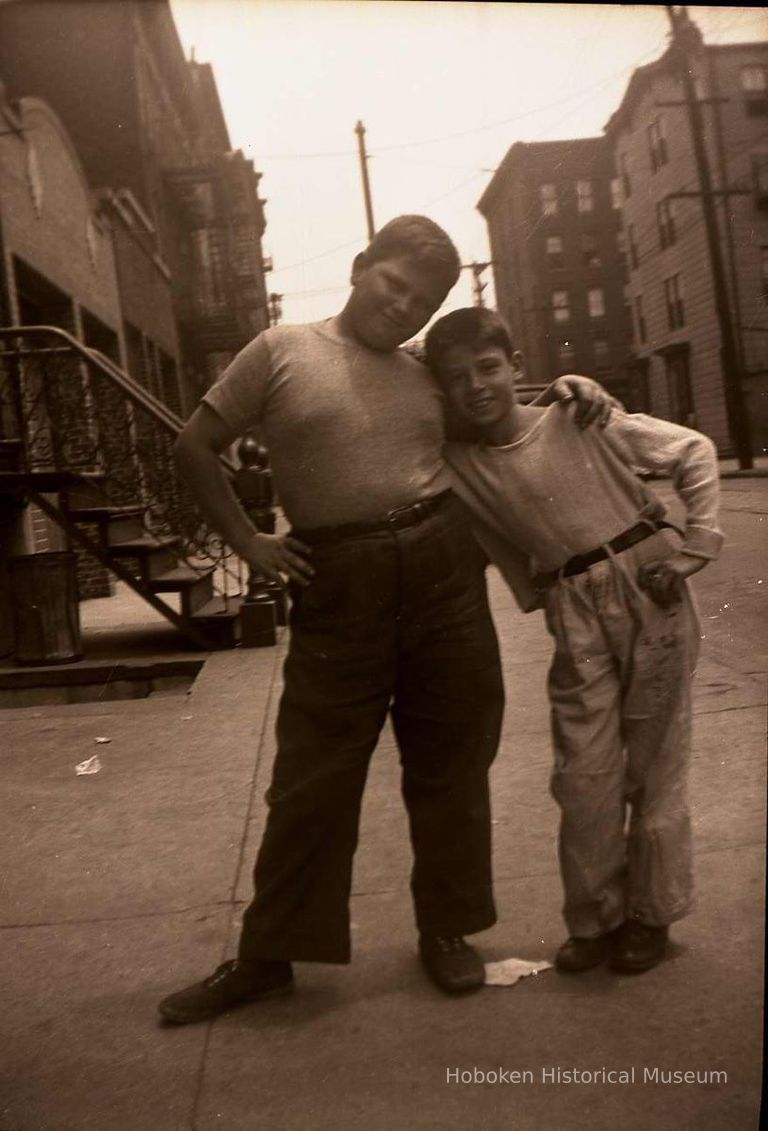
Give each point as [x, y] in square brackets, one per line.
[685, 564]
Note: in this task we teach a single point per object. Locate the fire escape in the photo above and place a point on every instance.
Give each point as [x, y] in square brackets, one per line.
[93, 450]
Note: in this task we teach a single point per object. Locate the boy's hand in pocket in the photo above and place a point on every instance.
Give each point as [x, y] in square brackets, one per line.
[663, 580]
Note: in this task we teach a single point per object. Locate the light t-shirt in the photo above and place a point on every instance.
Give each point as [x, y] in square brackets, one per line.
[558, 490]
[351, 432]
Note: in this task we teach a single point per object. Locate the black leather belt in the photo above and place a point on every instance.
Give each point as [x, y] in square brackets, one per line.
[399, 518]
[581, 562]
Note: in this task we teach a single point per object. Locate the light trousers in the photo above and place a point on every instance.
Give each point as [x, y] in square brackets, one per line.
[619, 686]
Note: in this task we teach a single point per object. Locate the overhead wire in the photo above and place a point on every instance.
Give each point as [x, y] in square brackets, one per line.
[589, 92]
[652, 229]
[690, 184]
[387, 150]
[416, 143]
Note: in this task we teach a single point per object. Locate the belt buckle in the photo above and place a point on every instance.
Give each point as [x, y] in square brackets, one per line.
[400, 517]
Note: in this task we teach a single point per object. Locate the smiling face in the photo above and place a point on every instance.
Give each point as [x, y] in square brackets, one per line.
[479, 382]
[391, 300]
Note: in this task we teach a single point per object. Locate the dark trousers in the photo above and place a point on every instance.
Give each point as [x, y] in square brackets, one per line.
[395, 621]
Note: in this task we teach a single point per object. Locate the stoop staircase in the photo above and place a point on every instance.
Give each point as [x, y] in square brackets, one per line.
[93, 450]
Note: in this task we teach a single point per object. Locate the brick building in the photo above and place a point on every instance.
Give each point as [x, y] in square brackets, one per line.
[555, 235]
[58, 269]
[676, 339]
[184, 209]
[125, 218]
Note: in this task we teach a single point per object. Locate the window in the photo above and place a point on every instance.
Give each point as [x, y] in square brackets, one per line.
[679, 387]
[642, 333]
[633, 259]
[764, 273]
[665, 220]
[639, 394]
[596, 302]
[590, 250]
[657, 144]
[760, 176]
[621, 247]
[584, 200]
[554, 246]
[626, 183]
[602, 355]
[566, 352]
[561, 309]
[754, 85]
[673, 295]
[548, 197]
[615, 193]
[754, 80]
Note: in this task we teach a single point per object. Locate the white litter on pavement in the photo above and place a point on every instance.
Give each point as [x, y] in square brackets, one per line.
[511, 970]
[89, 766]
[101, 738]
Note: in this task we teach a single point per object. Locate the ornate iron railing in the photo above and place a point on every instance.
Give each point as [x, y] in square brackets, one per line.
[69, 409]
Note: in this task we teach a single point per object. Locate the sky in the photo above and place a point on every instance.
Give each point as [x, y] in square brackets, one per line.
[443, 88]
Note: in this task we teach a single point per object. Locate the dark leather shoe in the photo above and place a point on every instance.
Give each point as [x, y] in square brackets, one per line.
[577, 955]
[451, 963]
[639, 948]
[233, 983]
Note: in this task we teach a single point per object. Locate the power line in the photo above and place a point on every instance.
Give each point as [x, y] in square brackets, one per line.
[385, 149]
[315, 292]
[652, 228]
[451, 191]
[320, 255]
[735, 152]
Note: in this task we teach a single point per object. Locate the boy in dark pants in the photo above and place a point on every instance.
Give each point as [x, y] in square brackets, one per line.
[389, 616]
[612, 574]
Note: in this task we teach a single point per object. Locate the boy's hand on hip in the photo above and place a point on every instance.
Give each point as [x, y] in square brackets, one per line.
[276, 554]
[594, 404]
[663, 580]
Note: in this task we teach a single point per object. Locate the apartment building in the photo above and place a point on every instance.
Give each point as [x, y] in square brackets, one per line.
[676, 362]
[554, 225]
[184, 209]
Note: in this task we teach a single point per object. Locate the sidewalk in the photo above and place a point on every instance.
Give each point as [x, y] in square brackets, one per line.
[121, 886]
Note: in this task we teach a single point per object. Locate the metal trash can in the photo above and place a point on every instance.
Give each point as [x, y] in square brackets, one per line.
[46, 613]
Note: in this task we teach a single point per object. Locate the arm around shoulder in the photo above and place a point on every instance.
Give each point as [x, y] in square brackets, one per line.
[594, 404]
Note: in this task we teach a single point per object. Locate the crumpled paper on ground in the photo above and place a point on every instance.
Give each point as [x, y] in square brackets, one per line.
[511, 970]
[89, 766]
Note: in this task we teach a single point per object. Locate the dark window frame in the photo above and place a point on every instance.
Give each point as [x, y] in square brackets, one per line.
[673, 296]
[665, 222]
[642, 328]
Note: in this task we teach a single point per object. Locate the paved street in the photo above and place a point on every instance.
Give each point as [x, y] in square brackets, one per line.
[121, 886]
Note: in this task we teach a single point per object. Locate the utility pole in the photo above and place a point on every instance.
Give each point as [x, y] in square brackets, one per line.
[275, 309]
[360, 131]
[477, 286]
[732, 372]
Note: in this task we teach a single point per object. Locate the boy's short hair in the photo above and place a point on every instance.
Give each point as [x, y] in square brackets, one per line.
[473, 326]
[422, 240]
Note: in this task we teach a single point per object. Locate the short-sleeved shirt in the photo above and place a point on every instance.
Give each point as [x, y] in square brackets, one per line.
[351, 432]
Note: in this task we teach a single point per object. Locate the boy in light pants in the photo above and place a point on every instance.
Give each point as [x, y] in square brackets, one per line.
[610, 573]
